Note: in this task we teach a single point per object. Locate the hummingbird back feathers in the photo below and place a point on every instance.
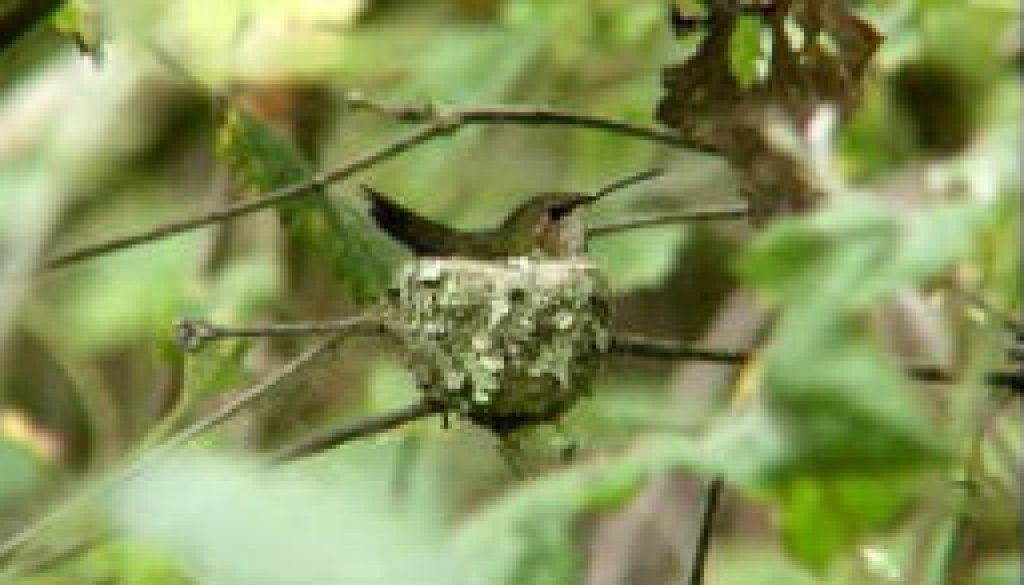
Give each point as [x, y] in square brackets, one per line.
[548, 225]
[422, 236]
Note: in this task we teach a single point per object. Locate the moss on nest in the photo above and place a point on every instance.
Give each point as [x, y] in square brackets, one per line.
[506, 344]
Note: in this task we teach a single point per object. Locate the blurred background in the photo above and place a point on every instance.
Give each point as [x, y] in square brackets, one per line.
[117, 115]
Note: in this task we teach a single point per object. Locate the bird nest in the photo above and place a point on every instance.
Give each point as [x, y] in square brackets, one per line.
[505, 344]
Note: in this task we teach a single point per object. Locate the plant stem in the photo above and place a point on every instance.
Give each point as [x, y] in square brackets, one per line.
[357, 429]
[667, 349]
[712, 496]
[191, 334]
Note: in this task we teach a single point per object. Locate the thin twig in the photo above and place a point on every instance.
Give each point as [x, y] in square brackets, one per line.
[639, 346]
[363, 427]
[718, 212]
[701, 548]
[667, 349]
[191, 334]
[520, 115]
[437, 123]
[253, 204]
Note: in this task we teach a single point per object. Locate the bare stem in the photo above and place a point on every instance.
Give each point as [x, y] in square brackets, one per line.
[357, 429]
[667, 349]
[253, 204]
[191, 334]
[718, 212]
[521, 115]
[712, 495]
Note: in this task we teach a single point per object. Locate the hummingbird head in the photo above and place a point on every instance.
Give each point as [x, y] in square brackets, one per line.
[549, 222]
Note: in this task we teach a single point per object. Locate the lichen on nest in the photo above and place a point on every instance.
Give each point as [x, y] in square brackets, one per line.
[506, 344]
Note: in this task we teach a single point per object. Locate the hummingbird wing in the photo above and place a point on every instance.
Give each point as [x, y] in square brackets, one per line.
[422, 236]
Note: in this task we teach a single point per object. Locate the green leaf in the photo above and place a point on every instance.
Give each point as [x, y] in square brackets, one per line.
[834, 410]
[124, 562]
[820, 518]
[333, 230]
[216, 368]
[745, 49]
[854, 253]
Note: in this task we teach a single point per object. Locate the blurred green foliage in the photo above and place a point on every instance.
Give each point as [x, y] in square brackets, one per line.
[838, 462]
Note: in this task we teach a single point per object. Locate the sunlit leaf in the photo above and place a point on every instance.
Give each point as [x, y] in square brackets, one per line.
[745, 49]
[125, 562]
[820, 518]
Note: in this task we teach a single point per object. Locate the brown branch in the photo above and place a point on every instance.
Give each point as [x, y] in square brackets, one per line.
[720, 212]
[520, 115]
[667, 349]
[363, 427]
[438, 122]
[191, 334]
[264, 201]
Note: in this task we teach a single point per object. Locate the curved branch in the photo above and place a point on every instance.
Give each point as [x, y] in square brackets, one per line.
[264, 201]
[437, 122]
[519, 115]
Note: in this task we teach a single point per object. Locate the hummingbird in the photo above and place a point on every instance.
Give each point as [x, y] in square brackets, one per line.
[547, 225]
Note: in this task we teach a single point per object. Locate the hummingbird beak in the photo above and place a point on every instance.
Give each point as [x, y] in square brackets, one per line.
[570, 205]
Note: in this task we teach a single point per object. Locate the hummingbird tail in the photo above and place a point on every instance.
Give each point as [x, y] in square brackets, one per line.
[422, 236]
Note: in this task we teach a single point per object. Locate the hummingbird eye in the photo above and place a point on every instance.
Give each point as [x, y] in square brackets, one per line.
[558, 211]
